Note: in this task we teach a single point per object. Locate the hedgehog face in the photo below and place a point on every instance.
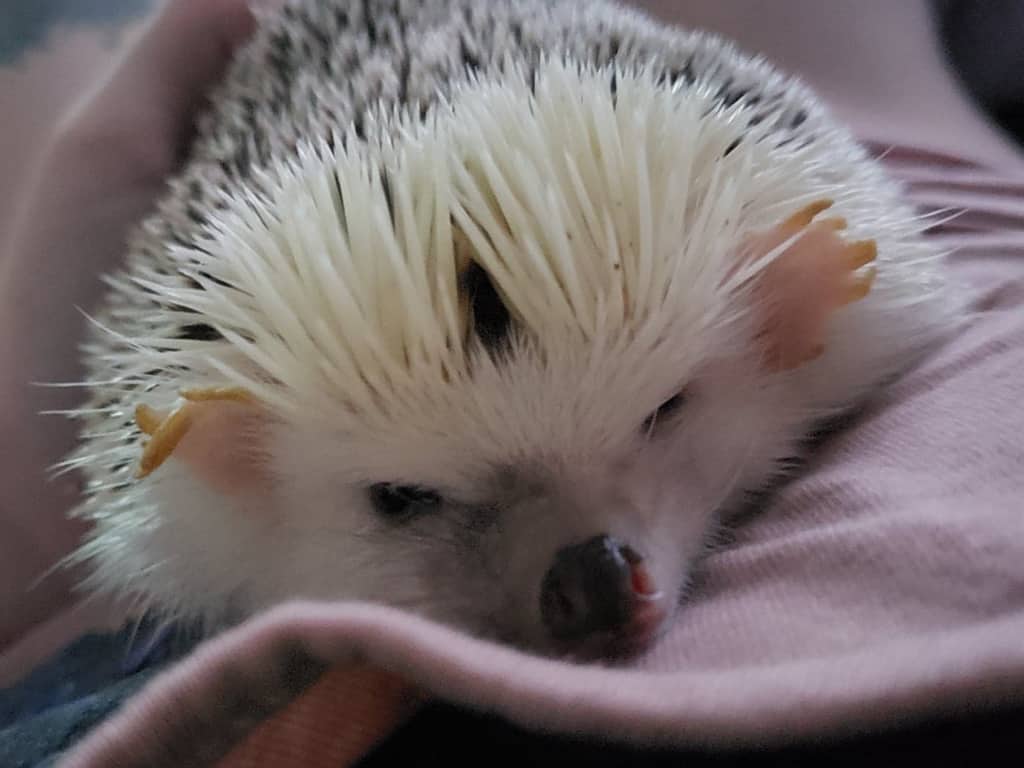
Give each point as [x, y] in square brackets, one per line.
[534, 506]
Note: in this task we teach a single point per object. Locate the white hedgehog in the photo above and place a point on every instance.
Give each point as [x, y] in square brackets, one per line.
[490, 310]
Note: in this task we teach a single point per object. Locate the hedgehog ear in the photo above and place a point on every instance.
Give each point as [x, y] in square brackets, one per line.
[816, 275]
[220, 435]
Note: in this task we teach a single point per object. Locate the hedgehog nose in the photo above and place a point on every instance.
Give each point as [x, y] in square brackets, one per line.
[593, 588]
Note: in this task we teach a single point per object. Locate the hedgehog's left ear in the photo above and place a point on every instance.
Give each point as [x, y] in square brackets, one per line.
[219, 434]
[800, 289]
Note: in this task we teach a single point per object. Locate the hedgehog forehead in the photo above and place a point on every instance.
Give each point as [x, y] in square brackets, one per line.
[520, 411]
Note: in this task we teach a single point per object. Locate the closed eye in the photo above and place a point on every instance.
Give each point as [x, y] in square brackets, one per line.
[664, 411]
[398, 503]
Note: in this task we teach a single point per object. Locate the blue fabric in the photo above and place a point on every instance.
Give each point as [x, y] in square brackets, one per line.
[67, 696]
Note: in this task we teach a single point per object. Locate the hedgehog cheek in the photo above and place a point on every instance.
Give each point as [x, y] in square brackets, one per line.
[219, 435]
[815, 275]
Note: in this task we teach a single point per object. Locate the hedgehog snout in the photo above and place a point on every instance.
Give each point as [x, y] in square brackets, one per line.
[598, 598]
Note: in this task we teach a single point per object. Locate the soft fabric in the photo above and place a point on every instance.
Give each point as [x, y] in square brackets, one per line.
[883, 585]
[61, 700]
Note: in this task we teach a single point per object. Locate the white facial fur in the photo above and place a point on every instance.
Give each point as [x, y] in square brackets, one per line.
[510, 500]
[353, 338]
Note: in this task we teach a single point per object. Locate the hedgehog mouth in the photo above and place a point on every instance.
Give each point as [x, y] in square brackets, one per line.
[623, 645]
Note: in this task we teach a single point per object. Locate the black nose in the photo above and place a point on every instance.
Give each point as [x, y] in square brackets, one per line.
[588, 589]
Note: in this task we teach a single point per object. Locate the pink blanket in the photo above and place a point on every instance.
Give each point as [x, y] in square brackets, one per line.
[885, 584]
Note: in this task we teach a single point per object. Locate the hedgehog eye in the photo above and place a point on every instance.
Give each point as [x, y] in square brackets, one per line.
[402, 502]
[665, 410]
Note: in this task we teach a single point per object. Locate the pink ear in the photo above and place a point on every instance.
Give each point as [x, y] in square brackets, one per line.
[219, 434]
[803, 286]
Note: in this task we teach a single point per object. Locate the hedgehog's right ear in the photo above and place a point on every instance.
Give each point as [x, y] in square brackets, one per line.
[219, 434]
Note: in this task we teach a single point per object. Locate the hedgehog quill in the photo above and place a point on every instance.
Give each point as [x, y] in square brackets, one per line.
[487, 310]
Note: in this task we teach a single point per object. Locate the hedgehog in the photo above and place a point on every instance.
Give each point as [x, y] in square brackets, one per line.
[494, 312]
